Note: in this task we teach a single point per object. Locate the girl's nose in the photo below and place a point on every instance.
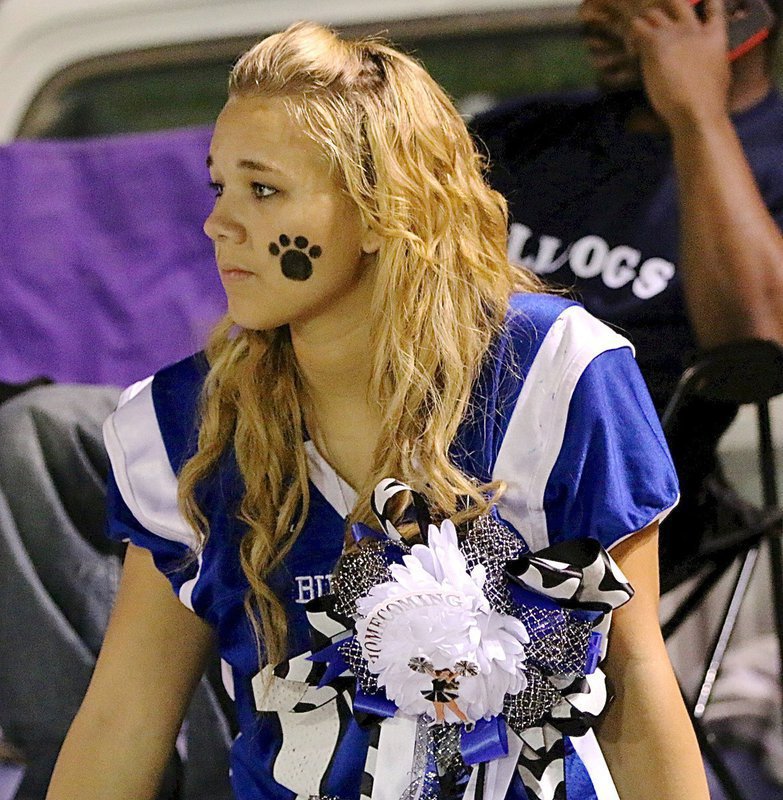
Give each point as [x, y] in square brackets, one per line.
[220, 226]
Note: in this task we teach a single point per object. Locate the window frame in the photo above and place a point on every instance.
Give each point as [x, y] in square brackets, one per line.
[47, 105]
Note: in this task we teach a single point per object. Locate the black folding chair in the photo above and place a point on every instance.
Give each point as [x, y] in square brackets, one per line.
[748, 372]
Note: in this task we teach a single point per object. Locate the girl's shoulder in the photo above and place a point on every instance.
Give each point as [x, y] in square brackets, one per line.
[553, 331]
[176, 391]
[575, 437]
[163, 408]
[531, 371]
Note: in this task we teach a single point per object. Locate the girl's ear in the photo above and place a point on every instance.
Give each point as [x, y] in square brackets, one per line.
[371, 241]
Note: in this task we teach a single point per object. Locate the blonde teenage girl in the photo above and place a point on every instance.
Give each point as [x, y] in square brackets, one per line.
[374, 329]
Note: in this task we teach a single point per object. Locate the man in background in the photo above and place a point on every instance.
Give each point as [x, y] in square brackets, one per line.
[659, 201]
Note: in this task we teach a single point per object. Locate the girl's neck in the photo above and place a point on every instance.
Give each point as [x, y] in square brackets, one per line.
[340, 416]
[336, 368]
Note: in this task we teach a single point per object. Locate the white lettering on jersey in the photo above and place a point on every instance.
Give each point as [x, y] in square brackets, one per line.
[517, 239]
[620, 266]
[654, 277]
[311, 586]
[590, 257]
[546, 259]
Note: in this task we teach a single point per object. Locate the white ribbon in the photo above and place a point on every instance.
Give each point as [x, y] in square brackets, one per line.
[394, 768]
[497, 773]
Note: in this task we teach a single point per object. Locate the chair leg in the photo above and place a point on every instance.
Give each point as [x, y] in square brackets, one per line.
[693, 599]
[769, 492]
[710, 753]
[726, 629]
[776, 577]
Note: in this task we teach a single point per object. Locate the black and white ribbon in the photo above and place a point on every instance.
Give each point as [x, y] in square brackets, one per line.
[315, 696]
[382, 496]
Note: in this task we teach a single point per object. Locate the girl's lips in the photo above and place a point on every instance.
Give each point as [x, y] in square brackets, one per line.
[233, 273]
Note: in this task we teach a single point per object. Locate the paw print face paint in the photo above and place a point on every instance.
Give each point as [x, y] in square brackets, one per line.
[295, 261]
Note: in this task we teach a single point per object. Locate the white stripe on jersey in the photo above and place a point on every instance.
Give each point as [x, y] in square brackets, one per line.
[532, 441]
[227, 674]
[186, 590]
[141, 466]
[589, 751]
[339, 494]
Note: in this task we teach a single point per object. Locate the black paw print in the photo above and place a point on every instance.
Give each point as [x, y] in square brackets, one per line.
[295, 262]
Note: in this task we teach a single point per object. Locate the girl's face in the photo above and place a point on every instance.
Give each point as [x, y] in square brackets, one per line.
[289, 243]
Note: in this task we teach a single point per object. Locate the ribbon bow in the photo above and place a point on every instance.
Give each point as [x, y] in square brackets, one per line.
[467, 660]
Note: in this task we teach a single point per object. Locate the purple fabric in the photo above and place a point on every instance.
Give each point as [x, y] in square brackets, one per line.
[105, 272]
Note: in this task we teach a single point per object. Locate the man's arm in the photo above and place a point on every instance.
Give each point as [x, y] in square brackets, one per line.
[731, 249]
[646, 735]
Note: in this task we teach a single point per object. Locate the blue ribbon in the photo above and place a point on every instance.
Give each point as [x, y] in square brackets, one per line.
[376, 705]
[487, 741]
[336, 665]
[527, 597]
[361, 531]
[593, 652]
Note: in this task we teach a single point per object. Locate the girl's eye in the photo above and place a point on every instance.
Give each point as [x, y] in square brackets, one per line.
[217, 188]
[262, 190]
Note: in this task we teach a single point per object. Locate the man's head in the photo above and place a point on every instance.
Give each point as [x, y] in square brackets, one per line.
[605, 27]
[606, 24]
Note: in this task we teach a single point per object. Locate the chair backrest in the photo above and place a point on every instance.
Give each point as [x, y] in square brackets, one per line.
[105, 272]
[746, 372]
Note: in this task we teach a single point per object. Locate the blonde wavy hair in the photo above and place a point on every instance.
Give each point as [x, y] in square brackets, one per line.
[403, 155]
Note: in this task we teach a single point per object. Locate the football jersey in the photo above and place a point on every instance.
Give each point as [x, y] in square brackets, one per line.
[559, 413]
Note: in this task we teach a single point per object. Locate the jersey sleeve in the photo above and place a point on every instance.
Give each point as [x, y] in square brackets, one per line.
[584, 454]
[613, 475]
[142, 491]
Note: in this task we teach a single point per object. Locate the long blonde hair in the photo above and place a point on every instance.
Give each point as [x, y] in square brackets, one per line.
[403, 155]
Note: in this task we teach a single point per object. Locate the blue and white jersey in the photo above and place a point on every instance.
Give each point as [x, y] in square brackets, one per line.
[559, 413]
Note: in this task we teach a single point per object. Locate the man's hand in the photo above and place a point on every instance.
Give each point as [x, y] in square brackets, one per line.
[683, 60]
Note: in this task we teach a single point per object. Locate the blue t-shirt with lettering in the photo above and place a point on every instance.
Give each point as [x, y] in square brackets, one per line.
[594, 208]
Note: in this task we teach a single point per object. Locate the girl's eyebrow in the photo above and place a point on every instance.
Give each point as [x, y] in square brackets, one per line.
[247, 163]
